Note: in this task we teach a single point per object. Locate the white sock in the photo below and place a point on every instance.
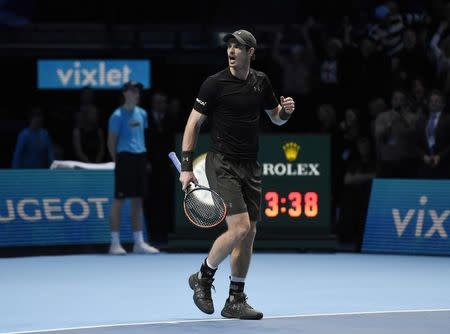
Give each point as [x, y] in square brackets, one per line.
[209, 264]
[199, 275]
[237, 279]
[138, 237]
[115, 239]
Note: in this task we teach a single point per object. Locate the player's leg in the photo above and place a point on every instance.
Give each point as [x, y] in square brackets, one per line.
[238, 229]
[225, 181]
[241, 254]
[224, 177]
[236, 305]
[201, 281]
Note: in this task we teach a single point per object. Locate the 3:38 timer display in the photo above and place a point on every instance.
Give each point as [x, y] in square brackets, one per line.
[295, 204]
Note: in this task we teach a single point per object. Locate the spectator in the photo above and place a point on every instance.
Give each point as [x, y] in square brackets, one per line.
[434, 138]
[389, 29]
[297, 73]
[87, 99]
[350, 126]
[350, 131]
[359, 172]
[296, 66]
[413, 61]
[441, 55]
[34, 148]
[126, 144]
[365, 71]
[175, 111]
[330, 72]
[329, 65]
[395, 138]
[88, 137]
[419, 101]
[162, 141]
[87, 96]
[376, 106]
[326, 116]
[361, 164]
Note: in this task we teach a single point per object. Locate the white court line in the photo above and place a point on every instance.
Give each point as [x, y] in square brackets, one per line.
[173, 322]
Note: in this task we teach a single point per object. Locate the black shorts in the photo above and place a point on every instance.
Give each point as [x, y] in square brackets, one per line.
[237, 181]
[130, 175]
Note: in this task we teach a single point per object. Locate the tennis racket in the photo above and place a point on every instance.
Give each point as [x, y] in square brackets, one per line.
[202, 206]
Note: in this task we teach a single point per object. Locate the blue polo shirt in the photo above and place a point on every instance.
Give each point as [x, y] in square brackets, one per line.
[33, 150]
[129, 127]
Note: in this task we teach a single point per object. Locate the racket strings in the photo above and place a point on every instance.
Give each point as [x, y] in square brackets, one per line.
[204, 207]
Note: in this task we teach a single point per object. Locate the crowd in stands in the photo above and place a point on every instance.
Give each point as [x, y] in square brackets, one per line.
[376, 84]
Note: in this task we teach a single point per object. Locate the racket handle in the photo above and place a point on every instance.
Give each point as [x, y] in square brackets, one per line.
[175, 161]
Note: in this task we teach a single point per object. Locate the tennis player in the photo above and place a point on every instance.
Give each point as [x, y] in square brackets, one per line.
[234, 99]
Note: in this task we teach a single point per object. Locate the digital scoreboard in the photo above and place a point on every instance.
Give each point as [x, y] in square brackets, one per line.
[296, 195]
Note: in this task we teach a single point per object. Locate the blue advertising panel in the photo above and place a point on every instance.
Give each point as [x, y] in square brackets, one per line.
[95, 73]
[58, 207]
[408, 217]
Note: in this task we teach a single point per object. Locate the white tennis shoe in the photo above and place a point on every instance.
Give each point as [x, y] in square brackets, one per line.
[143, 248]
[116, 249]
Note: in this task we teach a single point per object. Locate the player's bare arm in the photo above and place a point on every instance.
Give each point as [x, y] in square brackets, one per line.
[190, 136]
[283, 111]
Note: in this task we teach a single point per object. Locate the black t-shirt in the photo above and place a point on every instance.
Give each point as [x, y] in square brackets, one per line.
[234, 106]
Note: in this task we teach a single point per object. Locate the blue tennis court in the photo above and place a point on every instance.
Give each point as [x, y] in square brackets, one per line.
[298, 293]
